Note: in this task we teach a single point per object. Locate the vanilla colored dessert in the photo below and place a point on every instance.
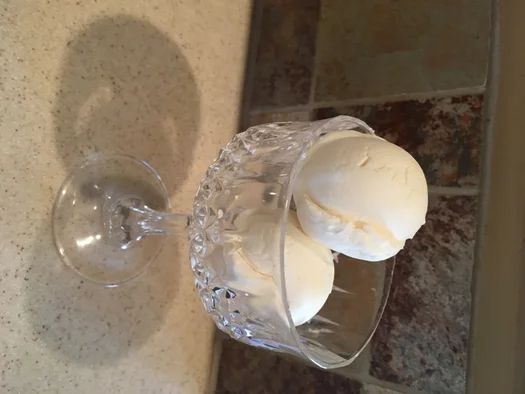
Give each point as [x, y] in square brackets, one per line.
[357, 194]
[360, 195]
[253, 266]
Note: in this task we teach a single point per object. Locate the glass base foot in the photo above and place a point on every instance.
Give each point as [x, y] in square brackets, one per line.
[89, 222]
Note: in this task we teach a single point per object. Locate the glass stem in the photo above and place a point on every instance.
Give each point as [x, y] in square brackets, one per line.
[129, 220]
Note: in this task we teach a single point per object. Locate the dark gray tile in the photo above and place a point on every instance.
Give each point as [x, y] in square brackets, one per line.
[422, 339]
[443, 134]
[382, 47]
[247, 370]
[285, 53]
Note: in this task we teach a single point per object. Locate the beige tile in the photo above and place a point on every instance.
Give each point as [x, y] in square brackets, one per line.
[285, 53]
[379, 47]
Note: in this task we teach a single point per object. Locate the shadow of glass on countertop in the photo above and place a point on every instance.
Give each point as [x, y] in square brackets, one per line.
[86, 322]
[125, 87]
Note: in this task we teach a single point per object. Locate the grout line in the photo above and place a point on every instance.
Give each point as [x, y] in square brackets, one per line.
[313, 85]
[399, 388]
[494, 80]
[403, 97]
[453, 191]
[290, 108]
[359, 371]
[313, 82]
[366, 378]
[475, 90]
[251, 48]
[215, 362]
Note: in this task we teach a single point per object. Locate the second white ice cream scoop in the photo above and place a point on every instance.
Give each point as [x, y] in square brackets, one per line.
[360, 195]
[254, 266]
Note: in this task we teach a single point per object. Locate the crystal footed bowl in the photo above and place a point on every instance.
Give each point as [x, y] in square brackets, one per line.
[112, 215]
[254, 174]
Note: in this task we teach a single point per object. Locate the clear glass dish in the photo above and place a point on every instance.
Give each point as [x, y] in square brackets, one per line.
[111, 217]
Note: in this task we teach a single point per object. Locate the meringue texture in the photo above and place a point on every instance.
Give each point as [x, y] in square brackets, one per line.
[360, 195]
[254, 267]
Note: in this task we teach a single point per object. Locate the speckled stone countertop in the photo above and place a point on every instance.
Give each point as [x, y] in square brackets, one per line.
[159, 80]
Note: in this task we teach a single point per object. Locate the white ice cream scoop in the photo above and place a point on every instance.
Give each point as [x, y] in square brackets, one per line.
[253, 266]
[360, 195]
